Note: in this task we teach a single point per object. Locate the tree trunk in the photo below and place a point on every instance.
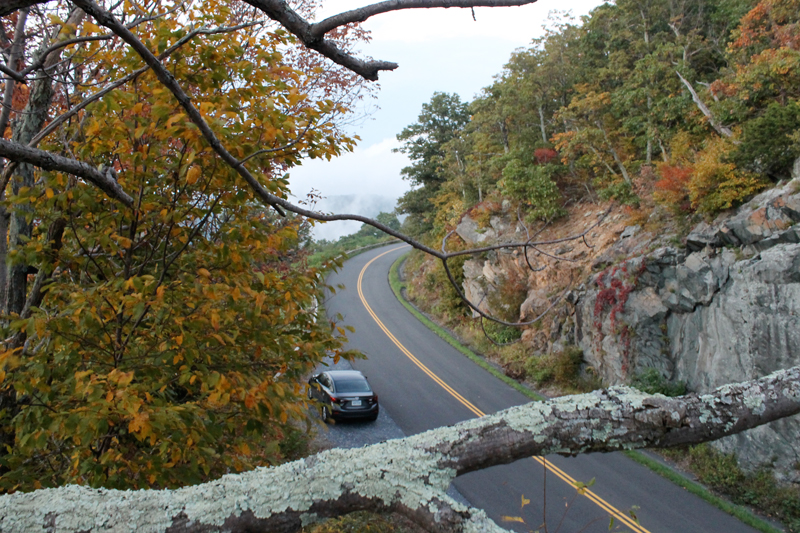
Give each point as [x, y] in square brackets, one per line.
[4, 219]
[411, 475]
[14, 57]
[542, 129]
[33, 118]
[504, 134]
[649, 157]
[617, 159]
[20, 231]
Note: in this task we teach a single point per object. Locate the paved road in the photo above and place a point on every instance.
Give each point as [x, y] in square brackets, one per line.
[411, 374]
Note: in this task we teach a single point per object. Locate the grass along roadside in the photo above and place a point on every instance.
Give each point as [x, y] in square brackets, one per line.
[738, 511]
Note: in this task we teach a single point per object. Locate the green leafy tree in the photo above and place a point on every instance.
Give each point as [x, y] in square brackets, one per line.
[768, 145]
[533, 185]
[440, 121]
[761, 92]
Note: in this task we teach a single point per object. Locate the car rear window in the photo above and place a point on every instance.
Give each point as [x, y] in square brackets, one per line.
[352, 385]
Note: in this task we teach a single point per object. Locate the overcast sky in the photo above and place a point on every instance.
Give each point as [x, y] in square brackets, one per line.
[438, 50]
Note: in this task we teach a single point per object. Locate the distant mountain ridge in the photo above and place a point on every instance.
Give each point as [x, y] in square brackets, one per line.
[368, 205]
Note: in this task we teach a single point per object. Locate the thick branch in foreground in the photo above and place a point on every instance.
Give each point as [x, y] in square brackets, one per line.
[411, 475]
[49, 161]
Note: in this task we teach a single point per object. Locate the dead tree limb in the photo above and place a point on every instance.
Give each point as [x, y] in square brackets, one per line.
[719, 128]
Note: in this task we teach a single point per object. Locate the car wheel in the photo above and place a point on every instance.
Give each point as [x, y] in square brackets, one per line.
[324, 413]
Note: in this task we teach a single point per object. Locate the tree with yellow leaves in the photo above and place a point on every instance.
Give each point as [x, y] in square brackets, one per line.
[162, 338]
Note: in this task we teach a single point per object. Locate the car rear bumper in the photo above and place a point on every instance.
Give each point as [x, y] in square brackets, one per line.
[341, 414]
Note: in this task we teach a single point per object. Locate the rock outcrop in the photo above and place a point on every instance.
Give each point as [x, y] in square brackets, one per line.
[724, 308]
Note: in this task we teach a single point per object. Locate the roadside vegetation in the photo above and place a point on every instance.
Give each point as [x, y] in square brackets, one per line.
[759, 490]
[555, 373]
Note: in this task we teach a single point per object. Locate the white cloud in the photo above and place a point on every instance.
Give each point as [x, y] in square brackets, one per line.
[382, 148]
[369, 170]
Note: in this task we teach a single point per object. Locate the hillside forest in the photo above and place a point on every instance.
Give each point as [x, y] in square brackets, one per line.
[674, 110]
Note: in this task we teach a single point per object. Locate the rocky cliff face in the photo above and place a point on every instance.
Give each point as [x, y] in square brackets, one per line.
[725, 308]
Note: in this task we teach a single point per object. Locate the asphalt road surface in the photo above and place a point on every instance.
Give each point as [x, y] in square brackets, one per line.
[424, 383]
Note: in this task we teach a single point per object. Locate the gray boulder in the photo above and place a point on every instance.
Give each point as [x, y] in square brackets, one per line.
[767, 216]
[468, 230]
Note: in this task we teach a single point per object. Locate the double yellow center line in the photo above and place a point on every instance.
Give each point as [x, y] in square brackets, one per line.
[610, 509]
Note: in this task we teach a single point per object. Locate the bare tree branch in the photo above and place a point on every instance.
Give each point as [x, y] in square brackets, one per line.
[286, 146]
[529, 243]
[312, 35]
[280, 11]
[104, 180]
[486, 315]
[363, 13]
[13, 74]
[411, 475]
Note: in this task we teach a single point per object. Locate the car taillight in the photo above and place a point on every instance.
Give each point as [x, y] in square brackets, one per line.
[335, 399]
[374, 397]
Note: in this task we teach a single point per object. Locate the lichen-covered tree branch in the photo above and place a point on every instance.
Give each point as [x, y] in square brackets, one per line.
[411, 475]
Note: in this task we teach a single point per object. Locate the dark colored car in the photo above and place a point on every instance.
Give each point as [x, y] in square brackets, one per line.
[343, 394]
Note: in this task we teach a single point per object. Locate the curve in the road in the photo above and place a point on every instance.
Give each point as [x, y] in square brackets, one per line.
[594, 498]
